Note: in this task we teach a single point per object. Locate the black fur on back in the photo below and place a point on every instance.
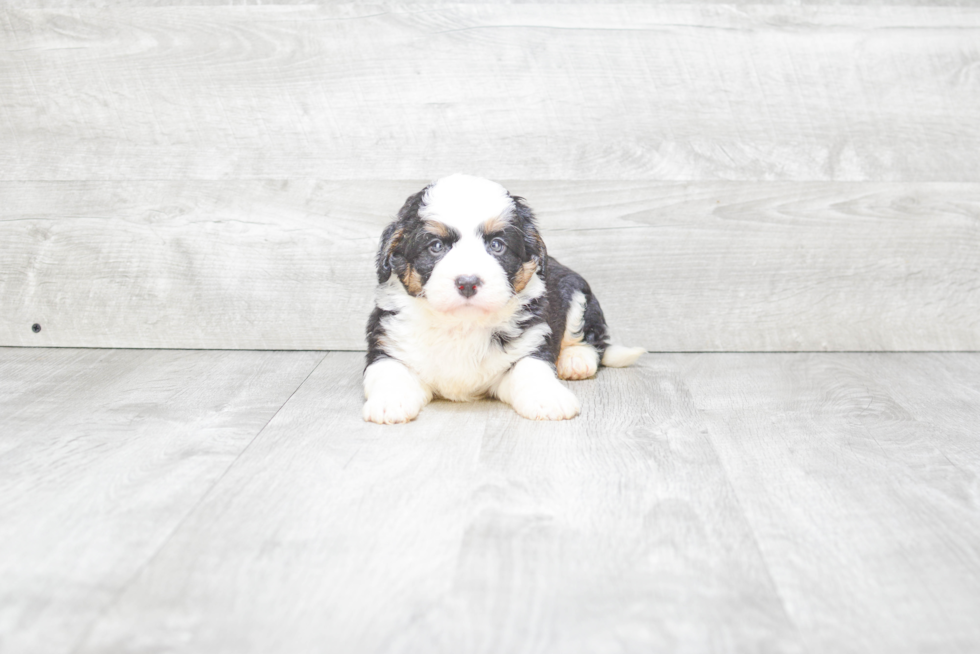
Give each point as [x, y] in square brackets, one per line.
[562, 283]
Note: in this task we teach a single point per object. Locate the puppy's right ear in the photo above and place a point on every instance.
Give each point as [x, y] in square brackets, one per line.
[383, 260]
[392, 236]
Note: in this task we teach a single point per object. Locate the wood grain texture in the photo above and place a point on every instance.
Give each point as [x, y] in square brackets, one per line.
[710, 502]
[102, 455]
[330, 536]
[469, 530]
[509, 91]
[100, 4]
[859, 476]
[617, 531]
[677, 267]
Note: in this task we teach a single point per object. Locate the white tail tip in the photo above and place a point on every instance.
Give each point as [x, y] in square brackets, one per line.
[617, 356]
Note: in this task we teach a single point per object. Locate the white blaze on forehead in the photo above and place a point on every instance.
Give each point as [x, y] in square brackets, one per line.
[466, 202]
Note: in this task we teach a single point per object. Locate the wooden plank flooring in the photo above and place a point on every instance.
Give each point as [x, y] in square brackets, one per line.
[103, 454]
[234, 502]
[859, 476]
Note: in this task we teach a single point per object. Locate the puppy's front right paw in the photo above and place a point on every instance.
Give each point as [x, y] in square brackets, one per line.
[553, 402]
[394, 393]
[392, 408]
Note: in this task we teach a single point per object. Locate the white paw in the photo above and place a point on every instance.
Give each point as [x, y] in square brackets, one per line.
[550, 402]
[393, 393]
[577, 362]
[392, 408]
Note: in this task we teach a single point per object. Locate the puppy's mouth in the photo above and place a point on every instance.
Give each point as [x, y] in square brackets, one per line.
[469, 306]
[476, 306]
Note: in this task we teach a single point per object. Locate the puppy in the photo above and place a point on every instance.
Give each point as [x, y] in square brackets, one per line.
[470, 305]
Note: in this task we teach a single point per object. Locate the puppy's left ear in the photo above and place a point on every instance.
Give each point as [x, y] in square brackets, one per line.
[533, 243]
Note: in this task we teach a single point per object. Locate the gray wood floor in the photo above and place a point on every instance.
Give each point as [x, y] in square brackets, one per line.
[175, 501]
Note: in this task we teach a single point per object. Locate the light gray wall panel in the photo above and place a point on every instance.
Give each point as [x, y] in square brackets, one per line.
[432, 4]
[263, 265]
[677, 267]
[298, 98]
[577, 91]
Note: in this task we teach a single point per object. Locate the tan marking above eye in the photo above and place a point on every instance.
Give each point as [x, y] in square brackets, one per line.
[436, 228]
[495, 224]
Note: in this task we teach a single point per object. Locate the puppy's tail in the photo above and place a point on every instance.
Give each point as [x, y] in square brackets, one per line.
[617, 356]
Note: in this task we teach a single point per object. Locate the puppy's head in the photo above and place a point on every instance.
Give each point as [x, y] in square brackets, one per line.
[464, 244]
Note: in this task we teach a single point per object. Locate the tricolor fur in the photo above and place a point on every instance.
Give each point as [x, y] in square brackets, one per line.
[470, 305]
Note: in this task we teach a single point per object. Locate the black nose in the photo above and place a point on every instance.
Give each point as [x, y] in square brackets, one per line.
[467, 285]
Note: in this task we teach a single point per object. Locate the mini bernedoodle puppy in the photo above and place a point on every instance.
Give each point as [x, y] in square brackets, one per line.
[470, 305]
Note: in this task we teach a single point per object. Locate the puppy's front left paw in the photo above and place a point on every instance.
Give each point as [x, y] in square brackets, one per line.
[391, 408]
[552, 402]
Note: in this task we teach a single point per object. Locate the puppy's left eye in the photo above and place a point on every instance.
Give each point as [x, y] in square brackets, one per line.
[497, 245]
[435, 247]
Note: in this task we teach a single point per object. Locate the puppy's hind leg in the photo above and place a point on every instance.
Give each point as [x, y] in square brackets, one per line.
[393, 392]
[579, 361]
[587, 328]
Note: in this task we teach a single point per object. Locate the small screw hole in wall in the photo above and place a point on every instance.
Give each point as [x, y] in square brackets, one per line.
[35, 328]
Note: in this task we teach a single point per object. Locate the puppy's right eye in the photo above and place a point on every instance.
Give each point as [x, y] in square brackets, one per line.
[435, 247]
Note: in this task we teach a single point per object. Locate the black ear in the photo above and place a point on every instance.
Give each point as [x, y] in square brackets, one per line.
[383, 259]
[533, 243]
[392, 236]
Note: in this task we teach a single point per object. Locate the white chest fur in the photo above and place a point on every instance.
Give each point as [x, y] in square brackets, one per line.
[457, 356]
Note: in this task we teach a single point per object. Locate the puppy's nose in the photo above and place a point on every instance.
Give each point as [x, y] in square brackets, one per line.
[467, 285]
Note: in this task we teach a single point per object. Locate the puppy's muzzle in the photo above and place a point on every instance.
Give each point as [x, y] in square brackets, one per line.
[467, 285]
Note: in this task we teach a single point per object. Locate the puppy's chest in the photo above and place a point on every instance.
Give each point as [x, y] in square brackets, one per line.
[458, 362]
